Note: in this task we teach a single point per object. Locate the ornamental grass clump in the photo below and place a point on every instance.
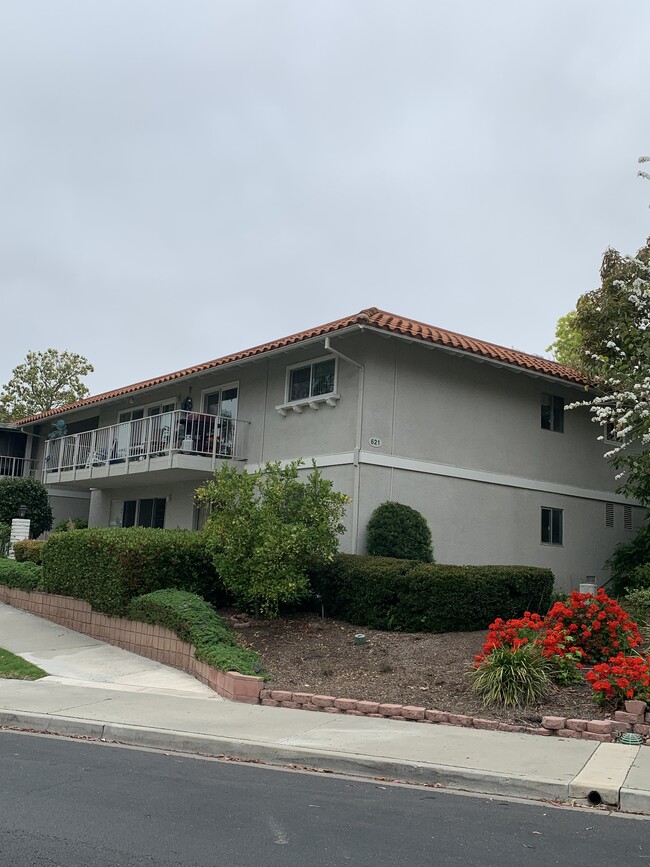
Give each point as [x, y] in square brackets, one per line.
[555, 645]
[513, 676]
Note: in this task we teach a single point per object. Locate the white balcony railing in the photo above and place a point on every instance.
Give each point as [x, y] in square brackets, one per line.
[16, 466]
[157, 436]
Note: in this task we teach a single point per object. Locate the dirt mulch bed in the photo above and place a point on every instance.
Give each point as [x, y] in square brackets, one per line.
[305, 653]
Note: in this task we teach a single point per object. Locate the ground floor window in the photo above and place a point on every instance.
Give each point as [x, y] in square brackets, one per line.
[552, 526]
[138, 513]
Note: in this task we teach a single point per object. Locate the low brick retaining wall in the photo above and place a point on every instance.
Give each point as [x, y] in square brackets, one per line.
[154, 642]
[635, 718]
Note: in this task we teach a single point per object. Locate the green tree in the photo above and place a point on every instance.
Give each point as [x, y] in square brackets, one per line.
[613, 322]
[567, 348]
[25, 491]
[266, 529]
[44, 381]
[397, 530]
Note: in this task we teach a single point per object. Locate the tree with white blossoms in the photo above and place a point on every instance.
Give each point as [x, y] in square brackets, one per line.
[607, 339]
[613, 351]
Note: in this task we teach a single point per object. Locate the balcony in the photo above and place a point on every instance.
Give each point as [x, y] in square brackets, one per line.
[10, 466]
[175, 445]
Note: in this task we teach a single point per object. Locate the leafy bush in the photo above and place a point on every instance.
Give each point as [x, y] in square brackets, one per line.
[641, 577]
[109, 567]
[266, 527]
[627, 557]
[70, 524]
[196, 622]
[29, 550]
[5, 536]
[637, 605]
[513, 676]
[24, 576]
[554, 643]
[25, 491]
[386, 593]
[598, 625]
[397, 530]
[620, 679]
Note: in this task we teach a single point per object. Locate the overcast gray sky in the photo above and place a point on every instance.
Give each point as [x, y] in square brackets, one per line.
[184, 179]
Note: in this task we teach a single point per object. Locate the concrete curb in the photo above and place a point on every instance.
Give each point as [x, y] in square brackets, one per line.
[447, 776]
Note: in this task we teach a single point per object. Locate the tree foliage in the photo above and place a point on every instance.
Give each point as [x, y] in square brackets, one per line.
[267, 528]
[24, 491]
[614, 326]
[567, 347]
[45, 380]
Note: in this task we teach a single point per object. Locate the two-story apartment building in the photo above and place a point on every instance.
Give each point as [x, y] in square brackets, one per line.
[474, 435]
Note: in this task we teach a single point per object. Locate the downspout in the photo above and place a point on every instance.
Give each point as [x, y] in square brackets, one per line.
[356, 486]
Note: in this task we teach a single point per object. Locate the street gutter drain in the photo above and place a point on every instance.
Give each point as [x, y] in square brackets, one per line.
[594, 799]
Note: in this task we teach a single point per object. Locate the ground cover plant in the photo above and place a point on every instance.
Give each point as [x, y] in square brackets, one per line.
[197, 623]
[23, 576]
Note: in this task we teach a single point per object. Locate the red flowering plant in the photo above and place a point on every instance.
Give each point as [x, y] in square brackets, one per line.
[555, 645]
[598, 625]
[620, 679]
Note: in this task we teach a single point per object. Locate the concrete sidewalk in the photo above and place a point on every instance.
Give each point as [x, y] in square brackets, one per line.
[188, 720]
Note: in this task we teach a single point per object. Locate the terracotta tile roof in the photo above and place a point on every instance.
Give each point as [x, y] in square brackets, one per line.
[372, 317]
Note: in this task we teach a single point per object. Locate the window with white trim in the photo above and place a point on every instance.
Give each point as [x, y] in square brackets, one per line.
[311, 380]
[552, 526]
[552, 415]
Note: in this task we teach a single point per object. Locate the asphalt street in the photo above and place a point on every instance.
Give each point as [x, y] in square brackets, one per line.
[66, 803]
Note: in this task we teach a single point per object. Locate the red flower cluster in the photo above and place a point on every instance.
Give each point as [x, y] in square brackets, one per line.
[597, 624]
[623, 677]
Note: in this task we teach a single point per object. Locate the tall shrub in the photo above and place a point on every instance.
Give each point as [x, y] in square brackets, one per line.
[25, 491]
[266, 528]
[397, 530]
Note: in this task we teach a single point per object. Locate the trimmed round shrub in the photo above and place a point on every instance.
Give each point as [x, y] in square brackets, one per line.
[397, 530]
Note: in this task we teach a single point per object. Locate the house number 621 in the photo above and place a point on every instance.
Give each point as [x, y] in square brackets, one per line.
[375, 442]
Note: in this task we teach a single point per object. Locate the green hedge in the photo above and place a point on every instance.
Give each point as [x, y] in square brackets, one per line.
[385, 593]
[194, 621]
[24, 576]
[29, 550]
[109, 567]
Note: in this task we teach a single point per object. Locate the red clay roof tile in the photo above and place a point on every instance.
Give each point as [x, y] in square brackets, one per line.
[372, 317]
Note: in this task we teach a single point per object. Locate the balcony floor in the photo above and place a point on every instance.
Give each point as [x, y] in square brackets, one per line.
[176, 467]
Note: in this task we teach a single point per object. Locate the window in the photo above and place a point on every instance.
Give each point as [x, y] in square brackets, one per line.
[138, 513]
[627, 517]
[609, 514]
[553, 413]
[311, 380]
[609, 432]
[552, 529]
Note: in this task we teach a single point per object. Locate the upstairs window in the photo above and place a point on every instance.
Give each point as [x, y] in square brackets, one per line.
[311, 380]
[553, 413]
[552, 526]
